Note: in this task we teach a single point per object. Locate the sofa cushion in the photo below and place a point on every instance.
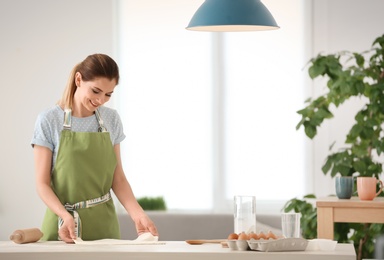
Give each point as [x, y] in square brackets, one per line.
[184, 226]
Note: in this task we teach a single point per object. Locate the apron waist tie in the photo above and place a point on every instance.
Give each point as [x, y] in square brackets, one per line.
[82, 205]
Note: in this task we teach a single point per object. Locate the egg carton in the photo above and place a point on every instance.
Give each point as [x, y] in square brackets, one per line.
[277, 245]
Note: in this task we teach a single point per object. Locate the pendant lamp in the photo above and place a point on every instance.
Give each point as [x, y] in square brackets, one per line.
[231, 16]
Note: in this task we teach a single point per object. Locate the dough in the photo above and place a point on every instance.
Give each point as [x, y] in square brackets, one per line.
[143, 239]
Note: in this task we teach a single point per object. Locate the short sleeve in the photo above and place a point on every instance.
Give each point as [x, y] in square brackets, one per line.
[113, 124]
[46, 128]
[41, 134]
[119, 135]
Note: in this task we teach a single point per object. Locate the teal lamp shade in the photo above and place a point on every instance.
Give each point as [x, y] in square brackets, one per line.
[231, 16]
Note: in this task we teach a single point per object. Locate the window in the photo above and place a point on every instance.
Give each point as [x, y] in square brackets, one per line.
[210, 115]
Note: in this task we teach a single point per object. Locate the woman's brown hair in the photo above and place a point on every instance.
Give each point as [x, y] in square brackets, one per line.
[94, 66]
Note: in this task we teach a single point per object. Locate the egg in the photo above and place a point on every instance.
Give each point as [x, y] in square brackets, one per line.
[270, 235]
[253, 235]
[262, 235]
[243, 236]
[233, 236]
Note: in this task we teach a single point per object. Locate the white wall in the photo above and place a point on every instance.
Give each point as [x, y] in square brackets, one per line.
[41, 41]
[340, 25]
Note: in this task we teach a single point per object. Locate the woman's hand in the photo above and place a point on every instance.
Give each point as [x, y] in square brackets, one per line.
[67, 230]
[144, 224]
[43, 159]
[124, 193]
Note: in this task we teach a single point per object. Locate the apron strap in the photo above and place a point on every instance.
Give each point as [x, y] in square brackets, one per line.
[82, 205]
[67, 125]
[67, 119]
[101, 122]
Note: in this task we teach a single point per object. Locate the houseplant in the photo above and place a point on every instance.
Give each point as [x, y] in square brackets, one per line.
[348, 75]
[152, 203]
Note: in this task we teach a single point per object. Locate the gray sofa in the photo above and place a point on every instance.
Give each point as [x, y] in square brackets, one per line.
[183, 226]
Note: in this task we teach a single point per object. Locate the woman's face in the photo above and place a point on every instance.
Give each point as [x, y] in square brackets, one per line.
[90, 95]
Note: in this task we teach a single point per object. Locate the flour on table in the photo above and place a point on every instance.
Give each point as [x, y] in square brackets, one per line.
[143, 239]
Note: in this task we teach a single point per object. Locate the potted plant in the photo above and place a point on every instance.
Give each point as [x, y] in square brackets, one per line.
[152, 203]
[348, 75]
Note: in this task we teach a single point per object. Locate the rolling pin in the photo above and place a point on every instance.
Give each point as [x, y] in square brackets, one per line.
[22, 236]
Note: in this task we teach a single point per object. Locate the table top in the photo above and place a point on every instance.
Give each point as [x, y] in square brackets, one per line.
[333, 201]
[170, 250]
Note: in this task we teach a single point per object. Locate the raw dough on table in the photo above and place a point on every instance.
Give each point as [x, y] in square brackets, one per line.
[143, 239]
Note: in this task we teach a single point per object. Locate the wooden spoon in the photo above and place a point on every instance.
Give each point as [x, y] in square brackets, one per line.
[204, 241]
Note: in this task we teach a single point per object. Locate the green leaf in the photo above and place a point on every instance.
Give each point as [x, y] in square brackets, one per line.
[327, 166]
[360, 166]
[303, 112]
[379, 41]
[310, 130]
[323, 112]
[355, 131]
[310, 196]
[359, 59]
[360, 87]
[300, 123]
[318, 67]
[308, 100]
[315, 70]
[343, 170]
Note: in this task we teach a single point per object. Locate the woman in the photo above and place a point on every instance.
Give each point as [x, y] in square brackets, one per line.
[77, 159]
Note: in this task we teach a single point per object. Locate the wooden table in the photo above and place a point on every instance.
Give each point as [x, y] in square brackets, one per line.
[331, 210]
[172, 250]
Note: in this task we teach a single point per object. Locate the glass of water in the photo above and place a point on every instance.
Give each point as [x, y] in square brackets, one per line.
[245, 214]
[290, 224]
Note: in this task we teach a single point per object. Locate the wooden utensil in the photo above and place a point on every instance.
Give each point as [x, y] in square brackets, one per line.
[204, 241]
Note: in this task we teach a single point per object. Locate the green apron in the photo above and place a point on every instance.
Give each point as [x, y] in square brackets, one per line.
[83, 174]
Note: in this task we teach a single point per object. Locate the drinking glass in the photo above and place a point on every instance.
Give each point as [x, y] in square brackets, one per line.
[245, 214]
[290, 224]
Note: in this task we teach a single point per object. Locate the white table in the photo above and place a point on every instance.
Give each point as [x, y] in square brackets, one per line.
[171, 250]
